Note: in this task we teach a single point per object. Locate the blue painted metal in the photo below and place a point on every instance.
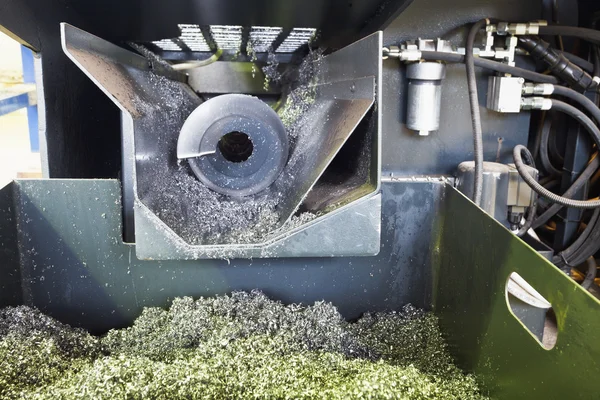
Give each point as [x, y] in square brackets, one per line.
[13, 103]
[22, 100]
[27, 61]
[32, 121]
[32, 110]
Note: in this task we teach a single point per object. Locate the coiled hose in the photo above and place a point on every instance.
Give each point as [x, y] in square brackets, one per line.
[539, 189]
[543, 192]
[531, 213]
[594, 164]
[583, 119]
[589, 170]
[575, 187]
[588, 243]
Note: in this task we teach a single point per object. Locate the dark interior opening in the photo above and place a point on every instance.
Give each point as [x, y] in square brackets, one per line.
[236, 146]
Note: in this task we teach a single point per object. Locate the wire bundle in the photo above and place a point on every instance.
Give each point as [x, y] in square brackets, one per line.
[565, 69]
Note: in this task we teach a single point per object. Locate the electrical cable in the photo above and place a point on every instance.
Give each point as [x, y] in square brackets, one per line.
[592, 231]
[475, 115]
[529, 220]
[455, 58]
[592, 270]
[531, 213]
[590, 35]
[575, 187]
[540, 190]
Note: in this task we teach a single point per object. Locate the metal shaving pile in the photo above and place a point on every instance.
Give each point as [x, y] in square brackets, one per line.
[198, 214]
[238, 346]
[202, 216]
[186, 205]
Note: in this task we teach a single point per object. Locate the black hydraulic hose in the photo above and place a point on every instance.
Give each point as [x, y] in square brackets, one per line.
[595, 178]
[475, 115]
[590, 35]
[589, 247]
[576, 245]
[549, 181]
[580, 62]
[554, 152]
[596, 55]
[583, 119]
[455, 58]
[592, 269]
[538, 137]
[544, 140]
[583, 245]
[540, 190]
[585, 102]
[575, 187]
[558, 64]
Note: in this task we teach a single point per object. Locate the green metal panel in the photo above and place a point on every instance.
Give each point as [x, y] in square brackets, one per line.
[10, 273]
[75, 267]
[474, 257]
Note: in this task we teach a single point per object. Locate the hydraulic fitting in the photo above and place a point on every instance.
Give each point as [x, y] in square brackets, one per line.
[538, 89]
[535, 103]
[558, 64]
[528, 28]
